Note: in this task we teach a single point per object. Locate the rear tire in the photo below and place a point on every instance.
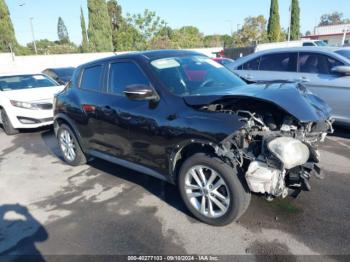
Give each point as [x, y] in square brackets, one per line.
[218, 209]
[69, 146]
[7, 125]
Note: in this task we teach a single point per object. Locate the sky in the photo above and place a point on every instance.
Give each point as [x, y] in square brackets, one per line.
[210, 16]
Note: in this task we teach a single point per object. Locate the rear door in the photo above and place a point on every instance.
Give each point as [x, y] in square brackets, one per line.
[276, 66]
[89, 96]
[315, 69]
[104, 129]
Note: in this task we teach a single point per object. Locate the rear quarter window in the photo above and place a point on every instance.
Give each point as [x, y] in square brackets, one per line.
[91, 78]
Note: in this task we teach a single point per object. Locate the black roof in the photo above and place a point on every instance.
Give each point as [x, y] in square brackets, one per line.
[149, 55]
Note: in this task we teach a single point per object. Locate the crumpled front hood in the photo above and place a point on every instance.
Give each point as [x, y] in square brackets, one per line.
[294, 98]
[33, 94]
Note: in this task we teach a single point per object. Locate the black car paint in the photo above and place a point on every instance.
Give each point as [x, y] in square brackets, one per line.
[148, 135]
[290, 97]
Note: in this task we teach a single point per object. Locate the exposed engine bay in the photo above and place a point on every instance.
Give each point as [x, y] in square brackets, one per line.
[275, 150]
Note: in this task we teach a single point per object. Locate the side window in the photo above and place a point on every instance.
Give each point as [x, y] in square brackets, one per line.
[123, 74]
[91, 78]
[283, 62]
[309, 44]
[332, 62]
[251, 65]
[317, 63]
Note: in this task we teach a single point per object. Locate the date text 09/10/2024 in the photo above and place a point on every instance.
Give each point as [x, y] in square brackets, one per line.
[173, 258]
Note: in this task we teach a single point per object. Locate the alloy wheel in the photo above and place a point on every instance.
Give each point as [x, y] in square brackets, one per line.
[207, 191]
[67, 145]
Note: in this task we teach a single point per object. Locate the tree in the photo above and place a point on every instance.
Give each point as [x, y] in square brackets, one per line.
[62, 31]
[128, 39]
[334, 18]
[163, 39]
[115, 14]
[252, 32]
[227, 41]
[46, 47]
[116, 19]
[7, 32]
[187, 37]
[212, 41]
[274, 27]
[295, 21]
[148, 24]
[284, 34]
[100, 30]
[85, 41]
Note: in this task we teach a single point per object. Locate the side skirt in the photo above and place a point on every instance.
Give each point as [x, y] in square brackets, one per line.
[128, 164]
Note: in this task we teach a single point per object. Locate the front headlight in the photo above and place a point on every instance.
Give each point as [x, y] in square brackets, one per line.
[25, 105]
[291, 152]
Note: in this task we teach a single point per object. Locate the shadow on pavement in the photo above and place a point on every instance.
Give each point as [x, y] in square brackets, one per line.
[163, 190]
[19, 231]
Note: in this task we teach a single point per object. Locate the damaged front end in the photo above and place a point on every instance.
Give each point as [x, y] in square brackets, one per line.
[276, 151]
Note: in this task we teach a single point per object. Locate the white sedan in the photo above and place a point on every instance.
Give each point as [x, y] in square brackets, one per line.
[26, 101]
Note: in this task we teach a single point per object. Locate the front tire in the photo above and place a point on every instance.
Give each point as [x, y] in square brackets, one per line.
[7, 125]
[69, 146]
[212, 190]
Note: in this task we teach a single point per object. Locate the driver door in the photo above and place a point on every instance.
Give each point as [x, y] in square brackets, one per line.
[143, 144]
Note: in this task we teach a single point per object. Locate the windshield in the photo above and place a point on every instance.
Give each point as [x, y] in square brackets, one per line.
[345, 53]
[194, 75]
[9, 83]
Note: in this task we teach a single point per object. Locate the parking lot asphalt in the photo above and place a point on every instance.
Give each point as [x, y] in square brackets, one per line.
[48, 207]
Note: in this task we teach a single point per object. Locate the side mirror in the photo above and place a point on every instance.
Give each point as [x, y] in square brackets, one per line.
[140, 92]
[344, 70]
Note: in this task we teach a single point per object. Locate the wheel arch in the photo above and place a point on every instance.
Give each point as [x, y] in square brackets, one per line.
[187, 149]
[63, 119]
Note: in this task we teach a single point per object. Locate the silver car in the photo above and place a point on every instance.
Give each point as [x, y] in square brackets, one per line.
[325, 71]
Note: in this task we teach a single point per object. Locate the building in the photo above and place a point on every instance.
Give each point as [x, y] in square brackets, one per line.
[333, 35]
